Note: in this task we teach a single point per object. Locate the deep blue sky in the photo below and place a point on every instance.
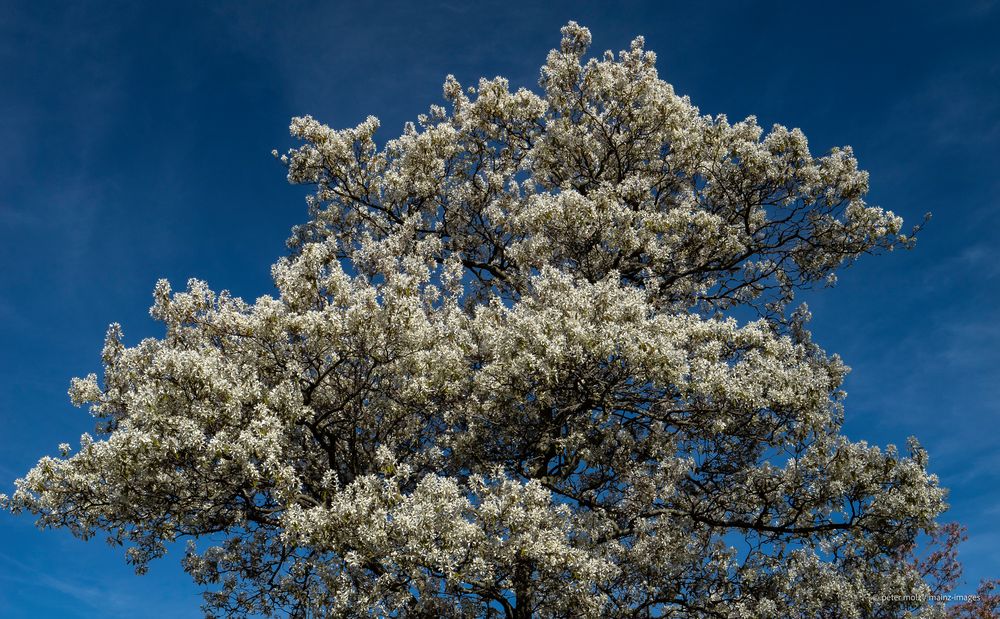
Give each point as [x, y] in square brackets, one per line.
[136, 144]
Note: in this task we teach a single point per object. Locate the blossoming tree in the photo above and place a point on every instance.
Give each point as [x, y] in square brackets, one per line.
[503, 377]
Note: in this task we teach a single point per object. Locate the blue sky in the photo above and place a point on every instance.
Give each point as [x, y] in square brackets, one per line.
[136, 143]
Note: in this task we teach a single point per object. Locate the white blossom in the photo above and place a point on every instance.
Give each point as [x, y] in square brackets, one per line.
[499, 378]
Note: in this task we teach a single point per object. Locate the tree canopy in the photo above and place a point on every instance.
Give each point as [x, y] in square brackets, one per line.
[504, 376]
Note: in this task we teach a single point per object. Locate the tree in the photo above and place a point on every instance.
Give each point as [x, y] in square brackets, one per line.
[939, 566]
[503, 377]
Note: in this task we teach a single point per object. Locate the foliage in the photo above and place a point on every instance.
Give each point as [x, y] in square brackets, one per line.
[939, 566]
[503, 377]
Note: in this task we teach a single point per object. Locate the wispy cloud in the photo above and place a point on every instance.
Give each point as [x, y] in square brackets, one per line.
[958, 108]
[980, 8]
[979, 260]
[102, 599]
